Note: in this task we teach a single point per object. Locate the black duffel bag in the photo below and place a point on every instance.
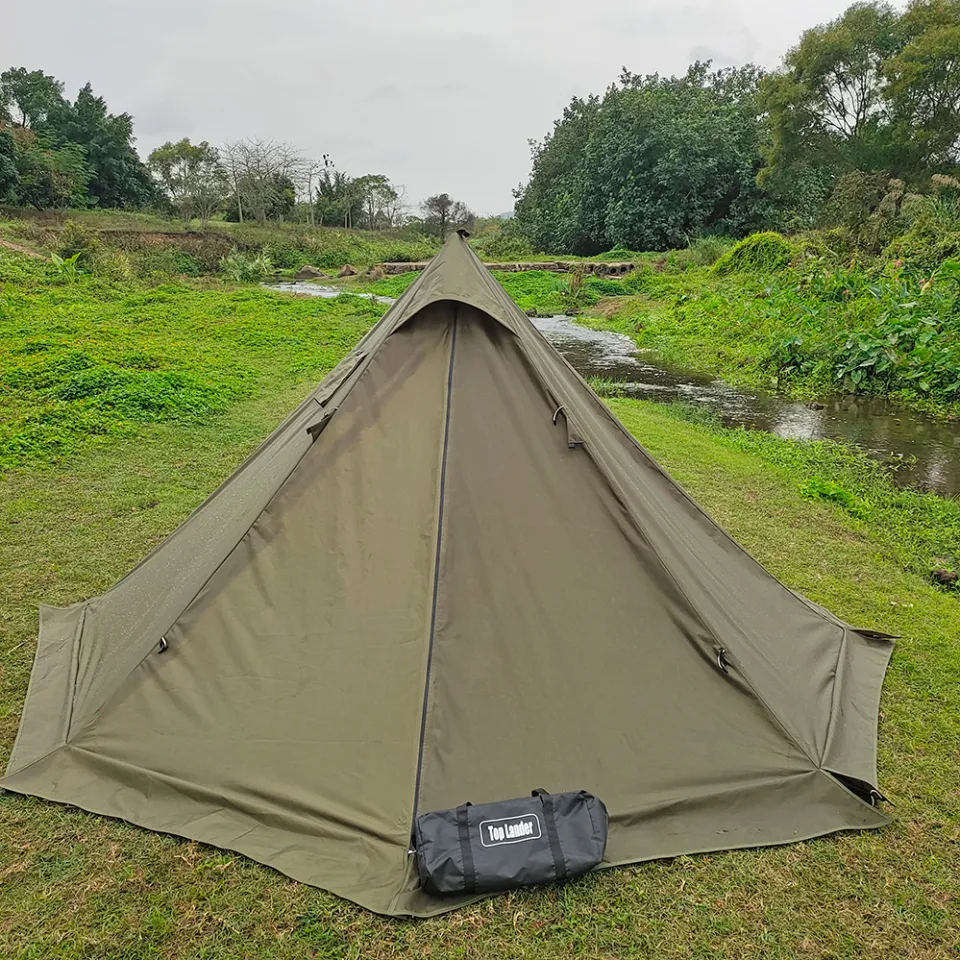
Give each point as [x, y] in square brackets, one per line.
[513, 843]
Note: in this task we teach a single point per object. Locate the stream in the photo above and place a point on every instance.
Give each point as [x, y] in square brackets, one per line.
[929, 450]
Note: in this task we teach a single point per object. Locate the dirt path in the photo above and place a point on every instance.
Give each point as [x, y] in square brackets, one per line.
[10, 245]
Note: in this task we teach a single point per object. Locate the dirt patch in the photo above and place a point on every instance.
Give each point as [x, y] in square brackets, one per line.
[17, 248]
[607, 308]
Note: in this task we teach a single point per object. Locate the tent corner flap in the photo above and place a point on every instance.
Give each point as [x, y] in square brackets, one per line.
[851, 745]
[48, 706]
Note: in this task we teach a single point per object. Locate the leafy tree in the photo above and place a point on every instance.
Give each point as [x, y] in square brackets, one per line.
[654, 162]
[118, 176]
[378, 200]
[441, 213]
[263, 177]
[830, 111]
[27, 97]
[9, 177]
[192, 176]
[275, 199]
[337, 201]
[47, 176]
[370, 201]
[283, 196]
[558, 209]
[923, 80]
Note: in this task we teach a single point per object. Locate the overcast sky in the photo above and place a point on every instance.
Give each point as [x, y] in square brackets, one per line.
[439, 95]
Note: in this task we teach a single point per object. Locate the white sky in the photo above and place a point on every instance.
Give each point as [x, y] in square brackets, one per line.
[439, 95]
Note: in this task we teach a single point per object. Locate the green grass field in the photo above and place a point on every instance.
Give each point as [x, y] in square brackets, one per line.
[177, 385]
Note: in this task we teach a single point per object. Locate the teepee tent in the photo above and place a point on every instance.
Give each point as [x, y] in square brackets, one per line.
[451, 575]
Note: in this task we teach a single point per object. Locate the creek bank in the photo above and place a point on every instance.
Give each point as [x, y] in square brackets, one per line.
[595, 267]
[923, 452]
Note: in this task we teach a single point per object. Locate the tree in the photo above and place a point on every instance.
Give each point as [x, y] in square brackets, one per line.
[923, 80]
[192, 176]
[119, 177]
[263, 177]
[827, 107]
[338, 204]
[654, 162]
[46, 176]
[28, 96]
[378, 201]
[9, 177]
[442, 213]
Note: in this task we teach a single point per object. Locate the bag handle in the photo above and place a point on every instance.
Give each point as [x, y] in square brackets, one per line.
[466, 851]
[550, 822]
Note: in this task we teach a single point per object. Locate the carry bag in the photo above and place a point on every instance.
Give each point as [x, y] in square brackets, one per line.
[512, 843]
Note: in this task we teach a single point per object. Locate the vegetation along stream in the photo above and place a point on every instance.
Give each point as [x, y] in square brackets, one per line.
[924, 452]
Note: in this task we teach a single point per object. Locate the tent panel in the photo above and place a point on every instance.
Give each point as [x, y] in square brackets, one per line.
[289, 697]
[565, 656]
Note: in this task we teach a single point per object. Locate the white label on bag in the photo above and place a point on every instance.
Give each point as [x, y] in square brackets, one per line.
[493, 833]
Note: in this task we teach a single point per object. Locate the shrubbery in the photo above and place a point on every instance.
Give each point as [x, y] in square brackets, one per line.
[758, 253]
[246, 268]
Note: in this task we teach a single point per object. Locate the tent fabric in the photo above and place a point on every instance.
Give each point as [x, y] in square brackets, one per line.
[450, 575]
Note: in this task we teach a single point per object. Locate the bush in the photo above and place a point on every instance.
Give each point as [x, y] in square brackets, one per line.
[759, 253]
[607, 286]
[829, 248]
[501, 244]
[244, 268]
[113, 265]
[77, 241]
[706, 251]
[933, 234]
[286, 256]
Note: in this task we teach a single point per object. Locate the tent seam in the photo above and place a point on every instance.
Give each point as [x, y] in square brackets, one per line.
[96, 713]
[833, 698]
[436, 570]
[30, 765]
[652, 462]
[75, 669]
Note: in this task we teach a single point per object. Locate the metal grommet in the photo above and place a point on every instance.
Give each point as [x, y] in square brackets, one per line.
[163, 645]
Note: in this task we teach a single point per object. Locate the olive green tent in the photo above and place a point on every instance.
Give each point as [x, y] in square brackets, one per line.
[451, 575]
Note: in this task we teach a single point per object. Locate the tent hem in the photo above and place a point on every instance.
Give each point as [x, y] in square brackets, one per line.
[446, 907]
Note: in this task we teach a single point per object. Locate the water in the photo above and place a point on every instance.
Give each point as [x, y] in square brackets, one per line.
[929, 450]
[319, 290]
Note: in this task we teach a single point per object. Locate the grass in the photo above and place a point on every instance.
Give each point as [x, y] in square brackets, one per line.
[74, 886]
[806, 330]
[920, 531]
[152, 245]
[87, 361]
[542, 291]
